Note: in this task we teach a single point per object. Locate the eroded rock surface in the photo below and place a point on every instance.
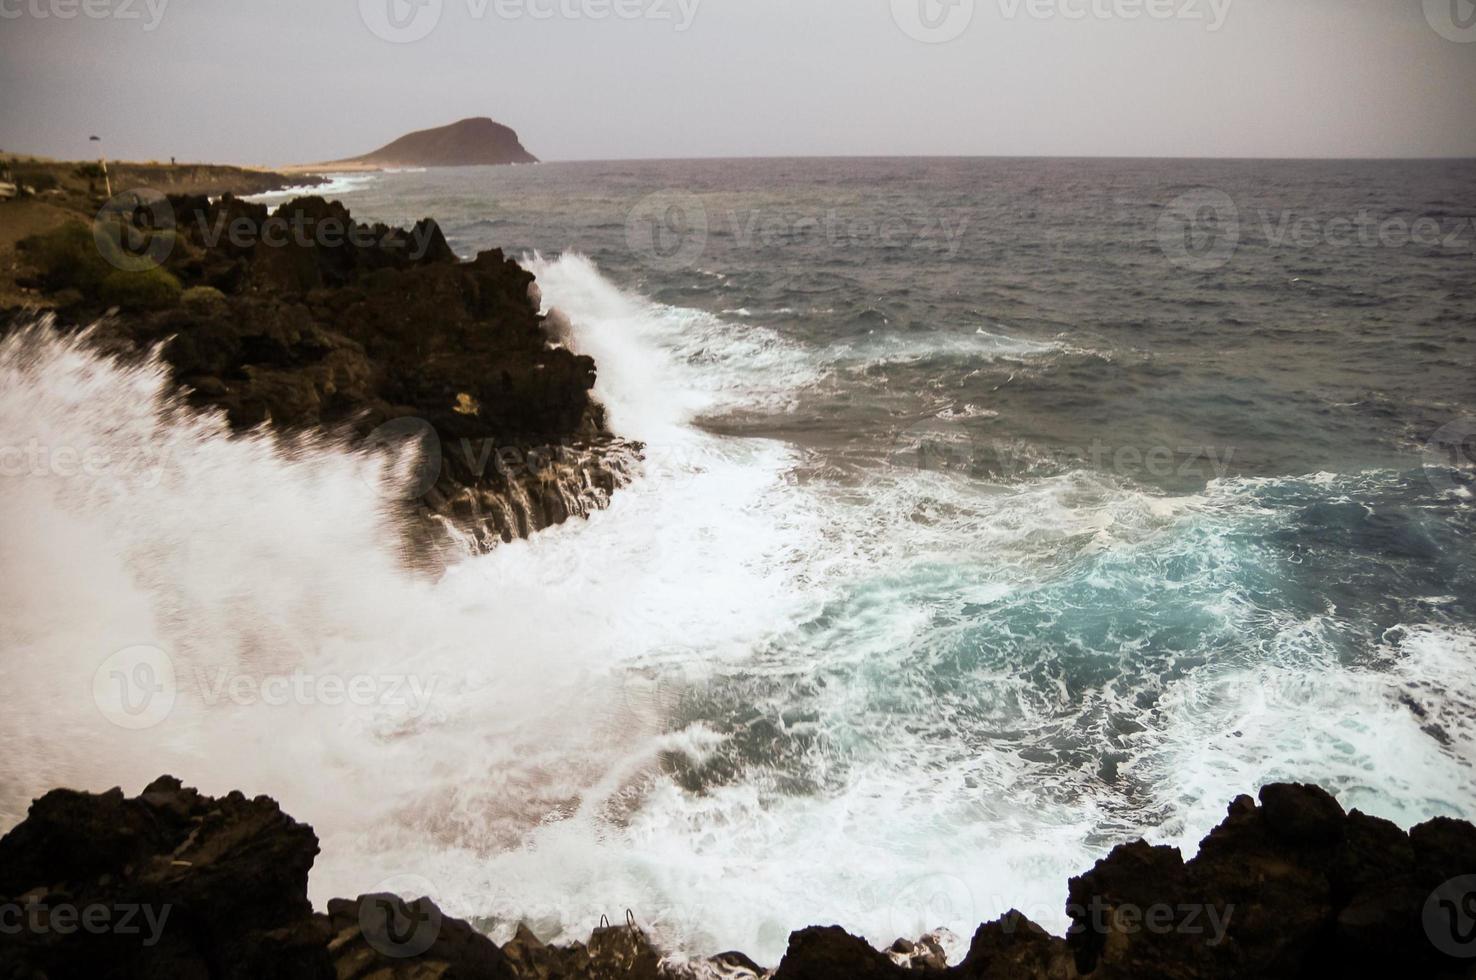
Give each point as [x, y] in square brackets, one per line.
[311, 323]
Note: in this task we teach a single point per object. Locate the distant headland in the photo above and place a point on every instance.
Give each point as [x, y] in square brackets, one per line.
[471, 142]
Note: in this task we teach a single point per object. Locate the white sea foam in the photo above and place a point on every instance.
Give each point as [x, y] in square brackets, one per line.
[335, 185]
[243, 556]
[1306, 718]
[580, 676]
[661, 367]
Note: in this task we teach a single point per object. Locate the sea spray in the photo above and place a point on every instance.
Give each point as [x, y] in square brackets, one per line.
[755, 693]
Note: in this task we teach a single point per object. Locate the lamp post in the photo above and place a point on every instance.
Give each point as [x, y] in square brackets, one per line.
[102, 161]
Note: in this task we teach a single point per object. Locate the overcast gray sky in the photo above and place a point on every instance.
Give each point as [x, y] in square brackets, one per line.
[281, 81]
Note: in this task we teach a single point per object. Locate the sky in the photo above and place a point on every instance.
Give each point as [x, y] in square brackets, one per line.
[298, 81]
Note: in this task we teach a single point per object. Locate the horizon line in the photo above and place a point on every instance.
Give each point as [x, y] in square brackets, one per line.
[326, 166]
[942, 156]
[997, 156]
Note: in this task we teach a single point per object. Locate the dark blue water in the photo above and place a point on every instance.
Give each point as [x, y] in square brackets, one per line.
[1335, 333]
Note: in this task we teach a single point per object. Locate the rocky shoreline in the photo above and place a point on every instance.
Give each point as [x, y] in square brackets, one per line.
[81, 184]
[310, 323]
[315, 326]
[172, 883]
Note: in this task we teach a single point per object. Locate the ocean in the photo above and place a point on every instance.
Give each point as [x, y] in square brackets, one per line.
[993, 512]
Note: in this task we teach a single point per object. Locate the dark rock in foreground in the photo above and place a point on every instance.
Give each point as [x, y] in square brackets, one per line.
[311, 323]
[170, 884]
[1291, 888]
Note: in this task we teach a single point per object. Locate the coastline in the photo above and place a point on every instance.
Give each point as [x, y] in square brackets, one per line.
[304, 320]
[52, 192]
[1328, 890]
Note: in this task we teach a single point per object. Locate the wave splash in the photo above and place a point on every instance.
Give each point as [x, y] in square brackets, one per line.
[267, 575]
[744, 698]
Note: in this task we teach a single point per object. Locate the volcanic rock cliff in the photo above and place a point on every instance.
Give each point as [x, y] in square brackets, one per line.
[470, 142]
[311, 323]
[176, 884]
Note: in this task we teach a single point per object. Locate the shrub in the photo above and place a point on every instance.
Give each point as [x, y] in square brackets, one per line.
[67, 257]
[203, 300]
[149, 289]
[73, 257]
[89, 171]
[39, 180]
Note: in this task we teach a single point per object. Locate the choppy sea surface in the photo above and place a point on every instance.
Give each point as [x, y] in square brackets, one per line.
[994, 512]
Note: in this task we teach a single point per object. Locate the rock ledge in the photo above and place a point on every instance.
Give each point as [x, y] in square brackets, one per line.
[173, 883]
